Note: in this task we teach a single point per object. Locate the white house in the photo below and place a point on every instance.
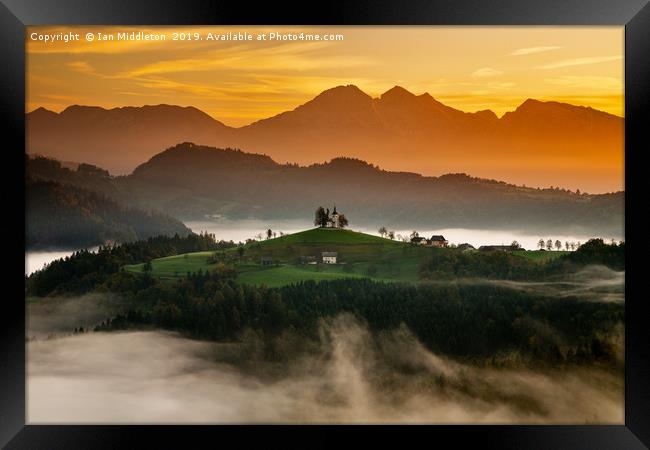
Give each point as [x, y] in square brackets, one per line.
[329, 257]
[419, 240]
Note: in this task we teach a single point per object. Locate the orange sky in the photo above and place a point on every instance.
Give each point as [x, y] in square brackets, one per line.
[470, 68]
[238, 82]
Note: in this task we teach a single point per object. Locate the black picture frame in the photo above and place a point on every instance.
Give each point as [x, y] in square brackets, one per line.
[16, 14]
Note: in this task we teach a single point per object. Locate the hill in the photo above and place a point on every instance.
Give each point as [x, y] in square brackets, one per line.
[64, 216]
[345, 121]
[190, 181]
[360, 255]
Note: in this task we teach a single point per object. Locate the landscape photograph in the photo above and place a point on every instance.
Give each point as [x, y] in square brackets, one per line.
[336, 225]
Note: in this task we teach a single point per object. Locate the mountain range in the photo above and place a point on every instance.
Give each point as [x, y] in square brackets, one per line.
[192, 182]
[539, 143]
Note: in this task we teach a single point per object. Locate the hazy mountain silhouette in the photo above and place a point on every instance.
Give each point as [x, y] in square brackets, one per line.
[539, 143]
[117, 139]
[66, 215]
[190, 181]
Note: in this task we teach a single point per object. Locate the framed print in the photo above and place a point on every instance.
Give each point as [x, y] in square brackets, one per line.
[244, 221]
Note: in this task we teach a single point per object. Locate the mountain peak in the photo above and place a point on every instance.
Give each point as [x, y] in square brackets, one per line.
[72, 109]
[554, 107]
[530, 103]
[42, 112]
[347, 91]
[397, 92]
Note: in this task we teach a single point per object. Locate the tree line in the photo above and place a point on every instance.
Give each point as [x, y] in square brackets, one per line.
[471, 322]
[84, 270]
[509, 266]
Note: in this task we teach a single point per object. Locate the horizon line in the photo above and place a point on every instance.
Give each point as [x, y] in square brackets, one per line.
[317, 95]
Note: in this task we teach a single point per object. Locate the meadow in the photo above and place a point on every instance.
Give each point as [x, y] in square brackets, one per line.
[360, 255]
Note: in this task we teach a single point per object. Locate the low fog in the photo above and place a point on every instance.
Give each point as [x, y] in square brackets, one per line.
[351, 375]
[59, 316]
[593, 283]
[240, 230]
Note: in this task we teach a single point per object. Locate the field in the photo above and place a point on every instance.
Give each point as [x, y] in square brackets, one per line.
[360, 255]
[289, 274]
[175, 266]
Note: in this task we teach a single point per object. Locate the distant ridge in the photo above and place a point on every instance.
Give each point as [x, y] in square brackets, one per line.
[190, 182]
[536, 144]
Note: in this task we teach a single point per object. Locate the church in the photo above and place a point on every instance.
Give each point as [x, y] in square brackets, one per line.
[325, 219]
[333, 220]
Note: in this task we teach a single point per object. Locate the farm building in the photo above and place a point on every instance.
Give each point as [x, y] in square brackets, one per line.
[438, 240]
[266, 261]
[329, 257]
[419, 240]
[498, 248]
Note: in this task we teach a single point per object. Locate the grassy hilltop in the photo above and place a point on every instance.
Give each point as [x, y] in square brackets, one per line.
[360, 255]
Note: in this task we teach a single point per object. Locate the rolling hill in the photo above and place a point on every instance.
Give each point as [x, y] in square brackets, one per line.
[61, 216]
[359, 255]
[537, 144]
[362, 256]
[189, 182]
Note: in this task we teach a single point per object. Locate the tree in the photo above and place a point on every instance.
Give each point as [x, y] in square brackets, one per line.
[540, 244]
[549, 244]
[343, 221]
[572, 245]
[558, 245]
[567, 245]
[515, 244]
[269, 233]
[383, 231]
[391, 235]
[321, 217]
[148, 267]
[414, 234]
[240, 251]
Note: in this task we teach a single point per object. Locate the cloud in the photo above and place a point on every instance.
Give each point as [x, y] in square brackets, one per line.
[50, 317]
[580, 61]
[485, 72]
[280, 57]
[350, 376]
[81, 66]
[533, 50]
[587, 81]
[591, 284]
